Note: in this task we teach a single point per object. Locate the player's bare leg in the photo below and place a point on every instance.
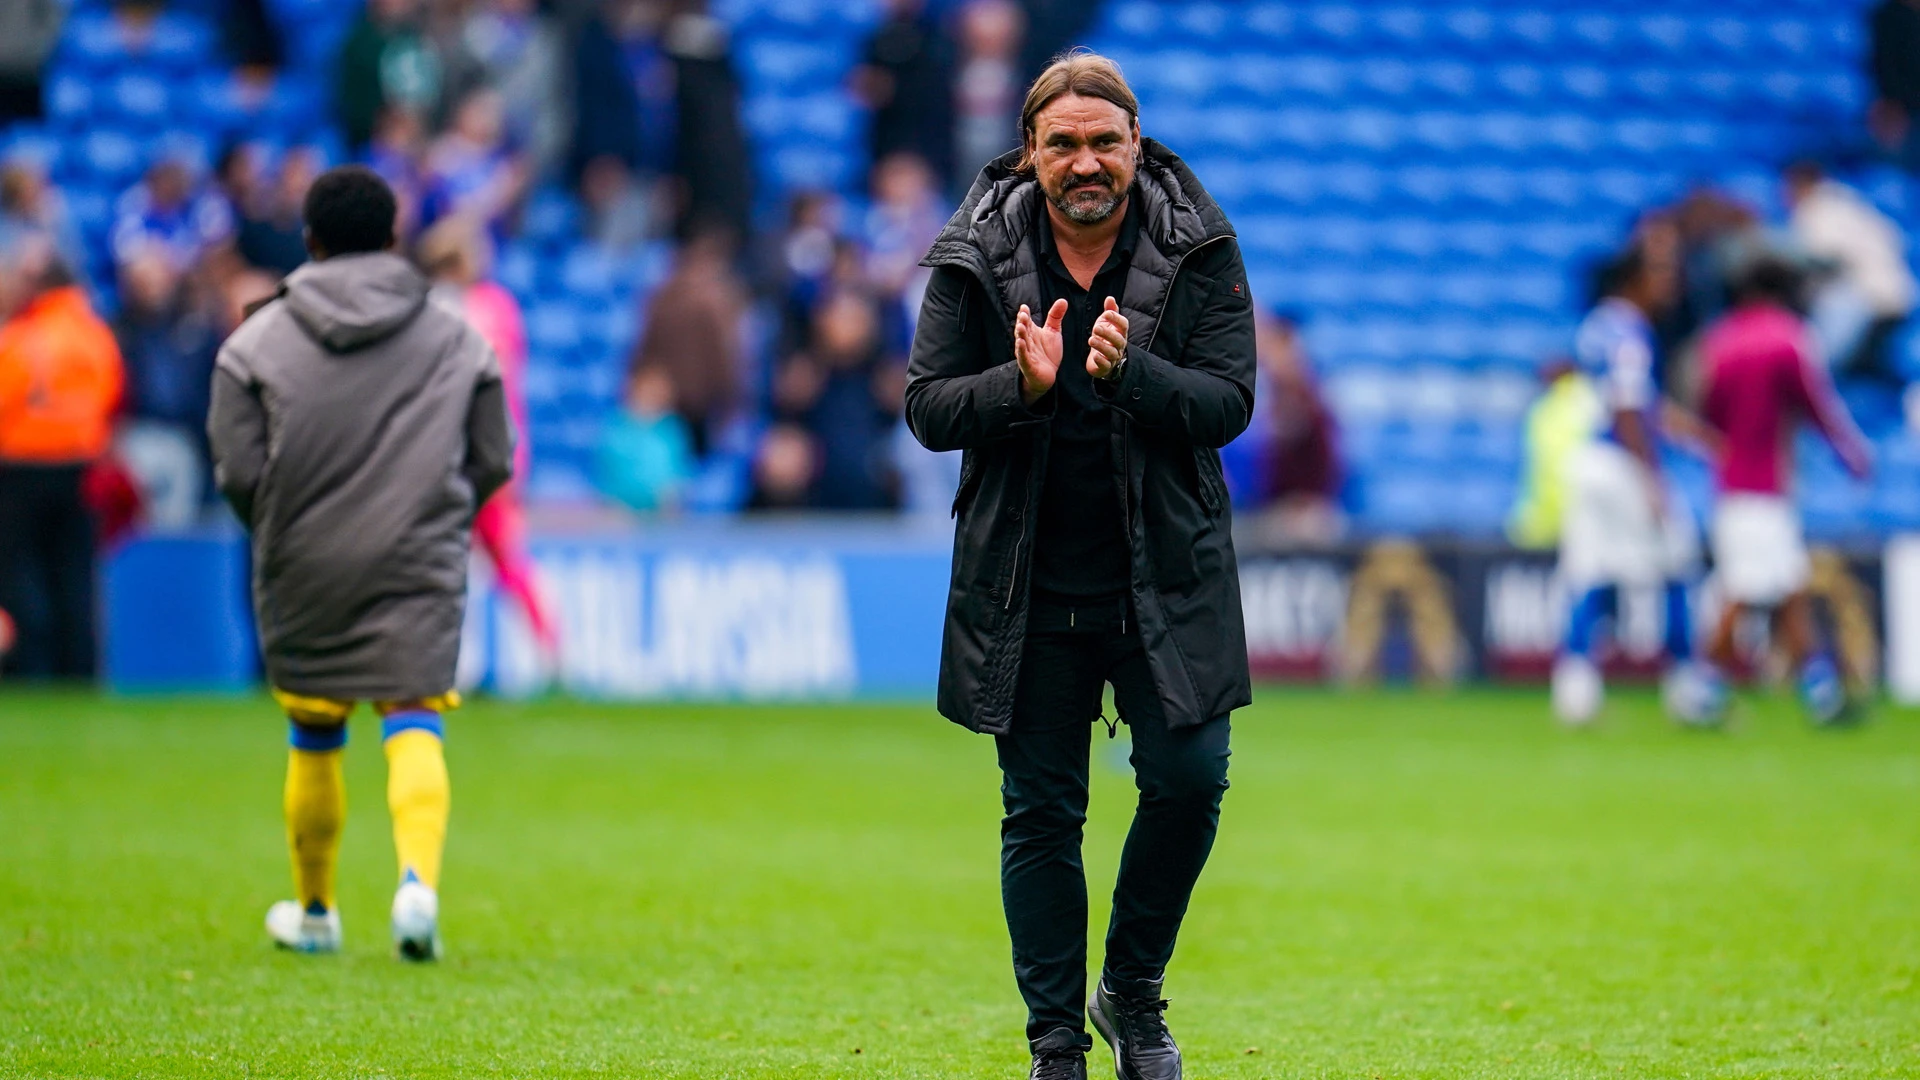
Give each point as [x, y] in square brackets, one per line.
[1721, 647]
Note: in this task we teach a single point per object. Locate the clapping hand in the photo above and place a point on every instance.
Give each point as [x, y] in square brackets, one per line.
[1037, 348]
[1107, 346]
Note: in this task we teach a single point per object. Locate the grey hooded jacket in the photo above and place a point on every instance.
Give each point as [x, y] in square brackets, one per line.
[356, 429]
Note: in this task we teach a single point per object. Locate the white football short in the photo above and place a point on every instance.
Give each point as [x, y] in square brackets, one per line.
[1759, 554]
[1611, 535]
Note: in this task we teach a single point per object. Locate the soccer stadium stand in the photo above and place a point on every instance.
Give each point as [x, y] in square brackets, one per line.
[1422, 183]
[1425, 183]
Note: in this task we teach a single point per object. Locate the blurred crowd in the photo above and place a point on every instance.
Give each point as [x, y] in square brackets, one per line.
[780, 334]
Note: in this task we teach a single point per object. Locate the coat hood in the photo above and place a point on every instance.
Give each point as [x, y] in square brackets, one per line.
[1177, 213]
[351, 301]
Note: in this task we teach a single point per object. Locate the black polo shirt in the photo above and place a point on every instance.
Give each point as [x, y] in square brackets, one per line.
[1080, 543]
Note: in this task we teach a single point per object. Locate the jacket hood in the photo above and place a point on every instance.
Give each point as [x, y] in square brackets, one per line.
[351, 301]
[1177, 214]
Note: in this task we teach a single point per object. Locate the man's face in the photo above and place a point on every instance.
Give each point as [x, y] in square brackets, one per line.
[1084, 152]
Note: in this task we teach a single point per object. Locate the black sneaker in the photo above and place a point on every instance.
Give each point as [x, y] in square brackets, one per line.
[1137, 1031]
[1060, 1054]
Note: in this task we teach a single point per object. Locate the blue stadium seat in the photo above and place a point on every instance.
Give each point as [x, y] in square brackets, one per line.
[1896, 508]
[792, 62]
[518, 268]
[1406, 29]
[1338, 26]
[302, 11]
[1448, 79]
[139, 99]
[1323, 77]
[69, 100]
[1535, 33]
[1184, 76]
[1836, 509]
[1662, 33]
[96, 43]
[1203, 22]
[1386, 78]
[723, 485]
[1276, 25]
[1473, 29]
[1523, 84]
[553, 331]
[551, 218]
[590, 274]
[1141, 20]
[821, 18]
[810, 166]
[1397, 502]
[111, 158]
[31, 143]
[1477, 504]
[1595, 35]
[92, 210]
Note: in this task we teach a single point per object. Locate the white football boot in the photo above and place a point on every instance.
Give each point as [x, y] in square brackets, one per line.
[1578, 690]
[294, 927]
[416, 921]
[1694, 695]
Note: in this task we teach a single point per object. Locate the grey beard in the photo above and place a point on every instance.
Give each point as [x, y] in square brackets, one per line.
[1085, 213]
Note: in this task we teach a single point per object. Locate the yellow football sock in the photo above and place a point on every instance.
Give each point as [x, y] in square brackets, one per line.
[316, 808]
[417, 792]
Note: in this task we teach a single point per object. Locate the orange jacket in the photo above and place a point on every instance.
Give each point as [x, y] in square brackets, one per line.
[60, 381]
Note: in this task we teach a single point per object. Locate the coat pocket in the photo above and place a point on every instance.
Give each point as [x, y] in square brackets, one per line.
[969, 483]
[1210, 482]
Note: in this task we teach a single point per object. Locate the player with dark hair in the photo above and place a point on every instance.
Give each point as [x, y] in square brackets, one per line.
[349, 211]
[1625, 525]
[1762, 380]
[388, 431]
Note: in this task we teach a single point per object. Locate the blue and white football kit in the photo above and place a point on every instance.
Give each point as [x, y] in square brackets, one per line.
[1625, 525]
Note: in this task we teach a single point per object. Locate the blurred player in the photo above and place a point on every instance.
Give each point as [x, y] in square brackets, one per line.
[356, 429]
[1762, 379]
[1625, 524]
[459, 255]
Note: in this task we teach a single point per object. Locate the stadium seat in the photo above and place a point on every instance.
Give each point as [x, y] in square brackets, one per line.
[1340, 27]
[792, 62]
[551, 218]
[1473, 29]
[553, 331]
[1385, 78]
[1276, 25]
[69, 99]
[111, 157]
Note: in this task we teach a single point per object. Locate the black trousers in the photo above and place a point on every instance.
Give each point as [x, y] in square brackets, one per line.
[1069, 655]
[46, 570]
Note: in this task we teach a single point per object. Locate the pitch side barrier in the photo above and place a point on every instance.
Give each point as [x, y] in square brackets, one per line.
[824, 608]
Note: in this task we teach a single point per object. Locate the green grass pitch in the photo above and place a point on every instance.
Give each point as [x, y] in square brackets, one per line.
[1405, 886]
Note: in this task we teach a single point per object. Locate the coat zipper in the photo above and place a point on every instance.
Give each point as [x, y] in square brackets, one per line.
[1013, 582]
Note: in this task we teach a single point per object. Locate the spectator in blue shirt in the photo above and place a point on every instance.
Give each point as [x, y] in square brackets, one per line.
[174, 213]
[470, 170]
[167, 344]
[646, 452]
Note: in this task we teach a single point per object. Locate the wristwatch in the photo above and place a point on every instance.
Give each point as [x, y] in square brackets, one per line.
[1119, 367]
